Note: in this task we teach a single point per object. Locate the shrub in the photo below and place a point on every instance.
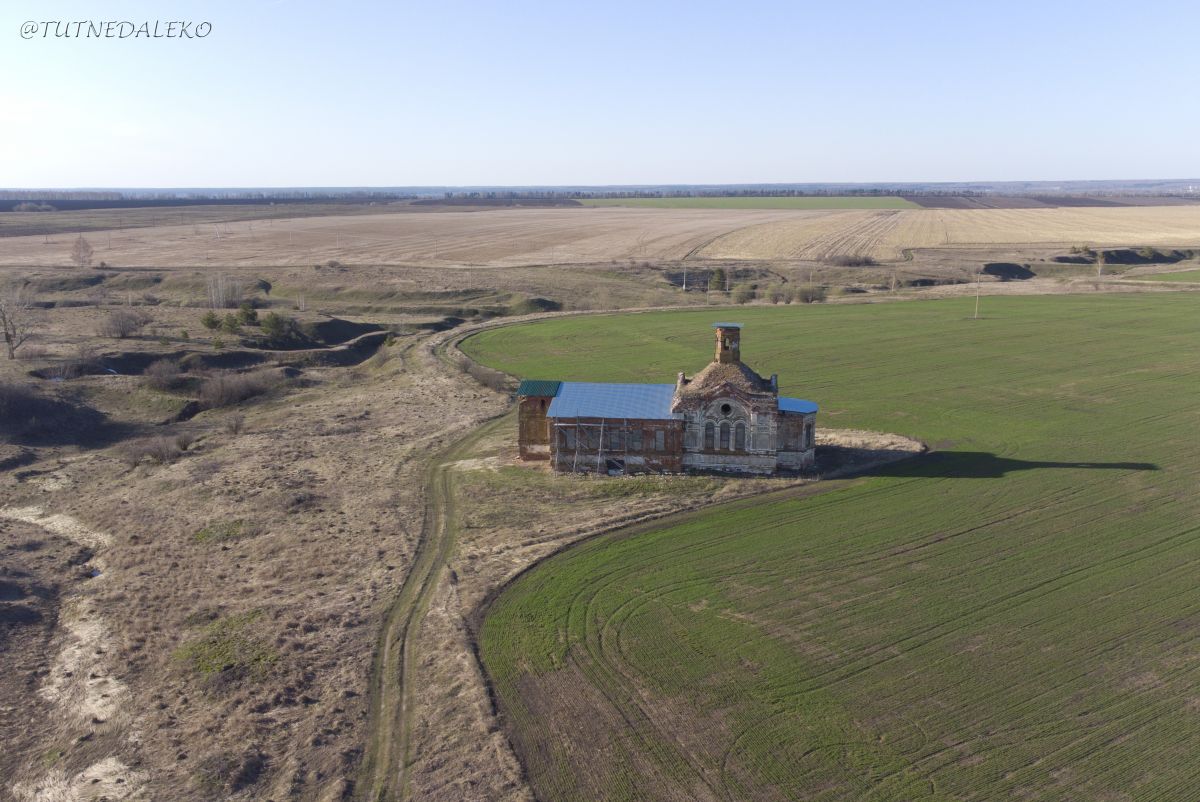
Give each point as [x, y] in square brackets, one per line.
[163, 374]
[123, 323]
[298, 500]
[847, 260]
[489, 378]
[82, 363]
[226, 389]
[159, 450]
[210, 320]
[743, 294]
[217, 343]
[810, 295]
[234, 424]
[230, 324]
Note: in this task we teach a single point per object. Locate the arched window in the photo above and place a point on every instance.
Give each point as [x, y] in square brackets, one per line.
[739, 437]
[710, 436]
[725, 436]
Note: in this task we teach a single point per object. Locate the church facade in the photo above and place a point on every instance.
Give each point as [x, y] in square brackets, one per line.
[726, 418]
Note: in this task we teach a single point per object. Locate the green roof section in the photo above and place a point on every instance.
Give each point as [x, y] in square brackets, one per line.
[546, 387]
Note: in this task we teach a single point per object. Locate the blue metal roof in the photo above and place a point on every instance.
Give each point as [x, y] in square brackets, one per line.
[727, 325]
[595, 400]
[796, 405]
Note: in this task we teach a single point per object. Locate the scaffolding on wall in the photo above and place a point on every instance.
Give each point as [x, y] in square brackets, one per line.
[575, 427]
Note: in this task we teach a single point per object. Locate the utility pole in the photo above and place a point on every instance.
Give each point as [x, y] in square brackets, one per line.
[978, 284]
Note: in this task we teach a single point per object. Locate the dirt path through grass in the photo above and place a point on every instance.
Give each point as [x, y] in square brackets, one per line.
[389, 728]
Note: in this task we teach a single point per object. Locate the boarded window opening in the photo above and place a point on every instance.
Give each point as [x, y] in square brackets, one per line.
[724, 436]
[739, 437]
[710, 436]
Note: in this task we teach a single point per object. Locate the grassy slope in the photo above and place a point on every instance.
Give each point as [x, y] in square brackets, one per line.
[988, 622]
[824, 202]
[1186, 275]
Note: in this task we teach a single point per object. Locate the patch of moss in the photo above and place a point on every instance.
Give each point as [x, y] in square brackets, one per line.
[228, 644]
[220, 531]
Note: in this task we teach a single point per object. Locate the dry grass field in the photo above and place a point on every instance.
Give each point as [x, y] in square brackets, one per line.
[886, 234]
[472, 238]
[193, 605]
[513, 237]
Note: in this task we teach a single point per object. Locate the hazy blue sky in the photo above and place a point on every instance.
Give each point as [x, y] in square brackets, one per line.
[324, 93]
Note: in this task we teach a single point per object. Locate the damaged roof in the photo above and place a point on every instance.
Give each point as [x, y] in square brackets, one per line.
[715, 374]
[597, 400]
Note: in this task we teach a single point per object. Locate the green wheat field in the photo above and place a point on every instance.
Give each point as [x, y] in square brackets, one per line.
[1014, 616]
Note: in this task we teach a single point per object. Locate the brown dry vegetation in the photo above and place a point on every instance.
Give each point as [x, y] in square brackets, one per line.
[886, 234]
[248, 551]
[510, 237]
[243, 570]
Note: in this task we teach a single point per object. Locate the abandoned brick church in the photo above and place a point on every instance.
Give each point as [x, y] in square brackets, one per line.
[725, 418]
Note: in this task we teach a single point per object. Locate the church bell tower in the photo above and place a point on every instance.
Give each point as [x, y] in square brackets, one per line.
[729, 342]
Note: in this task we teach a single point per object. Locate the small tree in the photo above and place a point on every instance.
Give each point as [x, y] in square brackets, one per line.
[81, 252]
[743, 294]
[274, 325]
[210, 321]
[14, 320]
[230, 324]
[247, 314]
[717, 280]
